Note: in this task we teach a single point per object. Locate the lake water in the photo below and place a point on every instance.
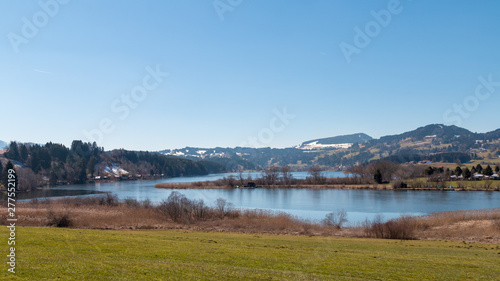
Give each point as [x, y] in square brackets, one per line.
[303, 203]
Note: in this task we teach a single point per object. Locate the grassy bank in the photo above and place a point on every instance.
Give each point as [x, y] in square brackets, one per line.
[76, 254]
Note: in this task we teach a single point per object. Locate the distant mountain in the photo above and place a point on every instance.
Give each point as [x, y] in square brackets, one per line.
[435, 142]
[434, 130]
[492, 135]
[3, 145]
[354, 138]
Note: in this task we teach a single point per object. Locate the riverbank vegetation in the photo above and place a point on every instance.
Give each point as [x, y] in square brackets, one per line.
[179, 212]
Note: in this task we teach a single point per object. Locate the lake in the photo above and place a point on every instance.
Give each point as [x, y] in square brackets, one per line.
[311, 204]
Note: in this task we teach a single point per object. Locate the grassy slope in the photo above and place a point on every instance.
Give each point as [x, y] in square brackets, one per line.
[75, 254]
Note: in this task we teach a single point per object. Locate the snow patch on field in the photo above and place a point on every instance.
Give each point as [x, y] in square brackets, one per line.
[316, 145]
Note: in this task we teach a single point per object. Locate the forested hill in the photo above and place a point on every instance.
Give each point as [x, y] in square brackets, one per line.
[56, 164]
[444, 133]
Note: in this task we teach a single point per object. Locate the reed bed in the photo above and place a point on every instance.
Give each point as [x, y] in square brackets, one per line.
[179, 212]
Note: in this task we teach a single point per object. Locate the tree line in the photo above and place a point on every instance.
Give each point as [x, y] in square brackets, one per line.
[54, 164]
[386, 172]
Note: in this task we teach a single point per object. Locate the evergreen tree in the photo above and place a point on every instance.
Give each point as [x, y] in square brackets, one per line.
[52, 178]
[497, 169]
[13, 152]
[458, 171]
[35, 163]
[91, 166]
[488, 171]
[5, 174]
[479, 168]
[23, 153]
[82, 175]
[429, 171]
[377, 177]
[467, 173]
[1, 172]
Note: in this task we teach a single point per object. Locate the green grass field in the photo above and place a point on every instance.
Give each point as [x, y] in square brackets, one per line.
[75, 254]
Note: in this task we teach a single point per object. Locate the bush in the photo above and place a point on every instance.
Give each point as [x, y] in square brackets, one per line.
[132, 203]
[63, 220]
[399, 184]
[109, 200]
[147, 204]
[180, 209]
[401, 228]
[375, 228]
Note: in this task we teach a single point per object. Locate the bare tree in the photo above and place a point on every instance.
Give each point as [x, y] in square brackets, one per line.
[230, 181]
[270, 176]
[240, 178]
[223, 207]
[316, 174]
[286, 175]
[27, 179]
[335, 219]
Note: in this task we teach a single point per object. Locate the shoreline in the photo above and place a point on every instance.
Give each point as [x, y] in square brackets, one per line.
[388, 186]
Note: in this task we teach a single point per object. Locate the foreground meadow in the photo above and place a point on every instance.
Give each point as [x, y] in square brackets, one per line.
[47, 253]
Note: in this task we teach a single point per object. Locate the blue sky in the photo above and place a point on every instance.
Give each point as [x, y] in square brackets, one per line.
[256, 73]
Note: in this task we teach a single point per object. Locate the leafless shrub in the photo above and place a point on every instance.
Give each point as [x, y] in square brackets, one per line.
[147, 204]
[132, 203]
[223, 207]
[400, 228]
[374, 228]
[109, 200]
[487, 184]
[180, 209]
[59, 220]
[316, 176]
[335, 219]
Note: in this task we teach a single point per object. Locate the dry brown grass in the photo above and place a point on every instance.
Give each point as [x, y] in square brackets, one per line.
[108, 213]
[131, 214]
[471, 225]
[477, 225]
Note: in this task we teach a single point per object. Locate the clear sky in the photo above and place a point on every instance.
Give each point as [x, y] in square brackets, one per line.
[241, 72]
